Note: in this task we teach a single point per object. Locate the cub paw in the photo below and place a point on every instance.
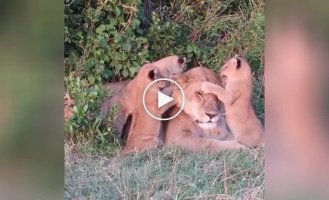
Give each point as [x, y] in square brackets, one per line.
[207, 87]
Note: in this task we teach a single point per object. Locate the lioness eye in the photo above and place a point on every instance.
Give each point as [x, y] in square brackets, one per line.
[199, 93]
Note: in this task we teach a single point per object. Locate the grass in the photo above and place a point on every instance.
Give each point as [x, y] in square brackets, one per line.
[168, 173]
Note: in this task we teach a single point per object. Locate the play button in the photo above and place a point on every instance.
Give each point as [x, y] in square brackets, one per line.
[163, 99]
[157, 102]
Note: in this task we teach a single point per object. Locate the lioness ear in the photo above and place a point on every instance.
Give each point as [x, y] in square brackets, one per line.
[154, 74]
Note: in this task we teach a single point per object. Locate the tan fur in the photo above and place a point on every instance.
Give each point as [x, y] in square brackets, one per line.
[116, 87]
[68, 107]
[236, 96]
[143, 131]
[200, 126]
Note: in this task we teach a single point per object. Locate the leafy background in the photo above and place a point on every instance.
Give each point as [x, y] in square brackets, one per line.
[109, 40]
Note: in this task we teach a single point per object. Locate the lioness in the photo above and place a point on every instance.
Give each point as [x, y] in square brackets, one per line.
[200, 126]
[236, 96]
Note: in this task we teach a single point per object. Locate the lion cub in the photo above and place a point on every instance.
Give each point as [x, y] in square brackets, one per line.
[144, 131]
[236, 97]
[171, 66]
[68, 107]
[122, 94]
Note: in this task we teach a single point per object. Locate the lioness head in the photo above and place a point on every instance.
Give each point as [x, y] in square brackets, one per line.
[203, 108]
[235, 68]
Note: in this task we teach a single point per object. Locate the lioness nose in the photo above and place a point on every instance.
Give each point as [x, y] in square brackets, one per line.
[211, 115]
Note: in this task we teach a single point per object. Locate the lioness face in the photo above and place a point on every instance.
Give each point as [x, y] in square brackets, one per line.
[203, 108]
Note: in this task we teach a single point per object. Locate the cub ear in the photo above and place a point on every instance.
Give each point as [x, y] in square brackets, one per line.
[238, 64]
[181, 60]
[238, 61]
[154, 74]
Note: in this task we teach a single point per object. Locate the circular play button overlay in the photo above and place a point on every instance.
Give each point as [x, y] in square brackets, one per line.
[163, 99]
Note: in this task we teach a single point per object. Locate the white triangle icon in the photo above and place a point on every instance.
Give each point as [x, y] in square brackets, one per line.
[163, 99]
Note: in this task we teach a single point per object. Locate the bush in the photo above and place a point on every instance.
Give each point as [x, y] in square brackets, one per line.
[110, 40]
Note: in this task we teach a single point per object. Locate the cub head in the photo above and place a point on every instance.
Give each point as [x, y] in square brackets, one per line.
[68, 101]
[203, 108]
[68, 107]
[235, 68]
[148, 73]
[171, 66]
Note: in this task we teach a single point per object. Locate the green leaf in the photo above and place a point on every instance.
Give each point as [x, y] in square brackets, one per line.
[100, 29]
[136, 22]
[126, 46]
[125, 73]
[133, 70]
[136, 64]
[189, 48]
[85, 108]
[113, 22]
[75, 109]
[117, 11]
[103, 43]
[118, 67]
[197, 52]
[70, 129]
[91, 79]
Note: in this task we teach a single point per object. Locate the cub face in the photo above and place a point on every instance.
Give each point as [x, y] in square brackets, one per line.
[235, 68]
[68, 101]
[68, 107]
[153, 73]
[162, 86]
